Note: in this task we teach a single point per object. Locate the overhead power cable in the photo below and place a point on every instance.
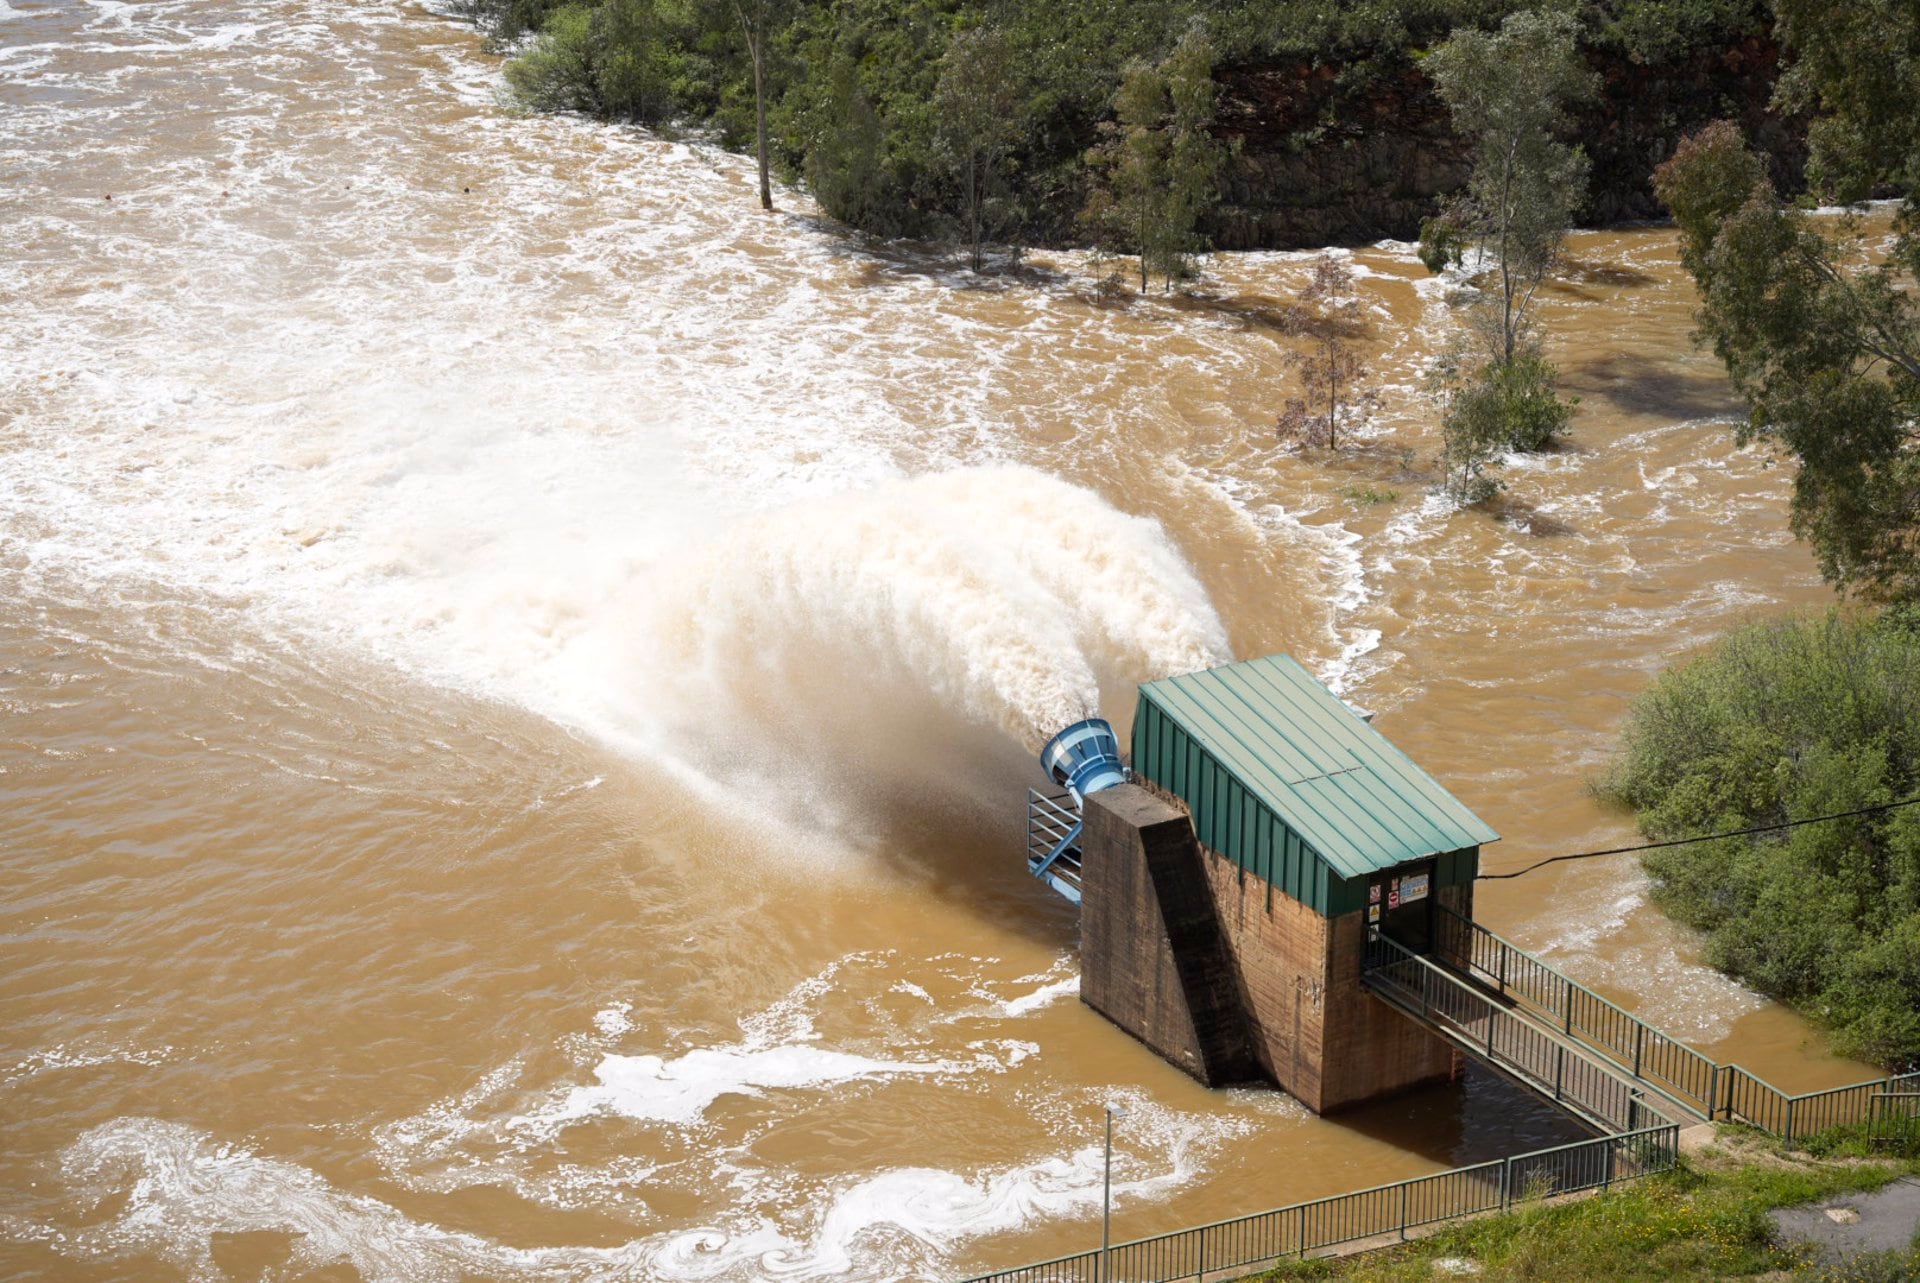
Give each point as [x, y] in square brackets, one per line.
[1704, 837]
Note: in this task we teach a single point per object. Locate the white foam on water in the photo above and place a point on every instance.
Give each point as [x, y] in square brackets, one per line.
[680, 1090]
[1044, 996]
[183, 1189]
[993, 597]
[66, 1056]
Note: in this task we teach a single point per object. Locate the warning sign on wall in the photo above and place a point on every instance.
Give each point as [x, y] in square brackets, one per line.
[1373, 913]
[1373, 894]
[1412, 887]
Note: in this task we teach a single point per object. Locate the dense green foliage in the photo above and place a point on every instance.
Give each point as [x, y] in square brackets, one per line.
[1822, 341]
[1496, 407]
[1701, 1222]
[1781, 721]
[1158, 164]
[853, 85]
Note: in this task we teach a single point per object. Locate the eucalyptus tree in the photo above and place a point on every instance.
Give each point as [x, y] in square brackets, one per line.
[1508, 92]
[1157, 168]
[1823, 343]
[1336, 386]
[976, 103]
[759, 21]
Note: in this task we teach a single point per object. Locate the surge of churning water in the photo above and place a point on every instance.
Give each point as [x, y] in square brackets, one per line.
[354, 365]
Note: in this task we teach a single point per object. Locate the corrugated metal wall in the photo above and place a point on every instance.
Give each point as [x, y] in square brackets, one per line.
[1233, 821]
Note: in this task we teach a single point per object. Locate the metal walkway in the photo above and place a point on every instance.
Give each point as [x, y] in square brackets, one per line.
[1512, 1011]
[1508, 1039]
[1690, 1085]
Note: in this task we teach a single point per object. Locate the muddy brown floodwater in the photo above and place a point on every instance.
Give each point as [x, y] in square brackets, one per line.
[517, 671]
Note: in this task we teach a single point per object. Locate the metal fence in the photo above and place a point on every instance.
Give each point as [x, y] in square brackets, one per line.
[1694, 1081]
[1557, 1068]
[1637, 1047]
[1053, 833]
[1893, 1118]
[1604, 1086]
[1391, 1211]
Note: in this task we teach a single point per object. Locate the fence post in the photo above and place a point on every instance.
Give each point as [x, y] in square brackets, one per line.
[1502, 955]
[1200, 1275]
[1569, 1006]
[1405, 1189]
[1302, 1239]
[1559, 1069]
[1506, 1182]
[1713, 1090]
[1789, 1136]
[1606, 1167]
[1639, 1045]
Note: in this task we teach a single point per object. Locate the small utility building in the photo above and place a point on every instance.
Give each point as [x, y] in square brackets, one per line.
[1226, 895]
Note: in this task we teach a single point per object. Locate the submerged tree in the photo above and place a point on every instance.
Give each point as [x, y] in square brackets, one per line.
[1507, 91]
[1158, 167]
[977, 104]
[1335, 384]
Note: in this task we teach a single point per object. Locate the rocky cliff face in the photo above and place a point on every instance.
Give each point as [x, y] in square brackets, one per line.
[1357, 153]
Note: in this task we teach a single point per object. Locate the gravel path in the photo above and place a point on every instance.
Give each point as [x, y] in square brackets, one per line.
[1843, 1227]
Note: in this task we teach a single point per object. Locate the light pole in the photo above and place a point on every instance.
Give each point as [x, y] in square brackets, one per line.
[1114, 1110]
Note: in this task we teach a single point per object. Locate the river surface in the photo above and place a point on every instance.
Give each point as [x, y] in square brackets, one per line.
[517, 673]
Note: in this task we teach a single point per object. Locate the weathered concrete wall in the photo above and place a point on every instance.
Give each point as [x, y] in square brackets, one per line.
[1227, 977]
[1153, 960]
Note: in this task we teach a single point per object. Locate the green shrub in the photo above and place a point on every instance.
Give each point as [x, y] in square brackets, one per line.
[1785, 720]
[555, 72]
[629, 59]
[1497, 407]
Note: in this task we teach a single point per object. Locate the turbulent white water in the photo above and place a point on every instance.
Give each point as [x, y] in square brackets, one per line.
[998, 597]
[383, 473]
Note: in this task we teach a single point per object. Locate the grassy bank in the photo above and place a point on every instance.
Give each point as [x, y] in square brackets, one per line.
[1708, 1220]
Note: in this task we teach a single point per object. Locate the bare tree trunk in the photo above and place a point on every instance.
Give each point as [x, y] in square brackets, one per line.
[975, 184]
[1333, 398]
[1143, 245]
[754, 40]
[1506, 275]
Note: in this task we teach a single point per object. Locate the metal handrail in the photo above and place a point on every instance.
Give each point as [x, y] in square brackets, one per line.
[1241, 1242]
[1691, 1079]
[1561, 1069]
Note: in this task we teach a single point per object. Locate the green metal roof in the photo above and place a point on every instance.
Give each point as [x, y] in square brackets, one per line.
[1341, 785]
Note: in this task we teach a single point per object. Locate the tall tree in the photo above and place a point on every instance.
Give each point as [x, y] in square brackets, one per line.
[976, 102]
[1335, 384]
[759, 20]
[1508, 91]
[846, 153]
[1158, 166]
[1822, 342]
